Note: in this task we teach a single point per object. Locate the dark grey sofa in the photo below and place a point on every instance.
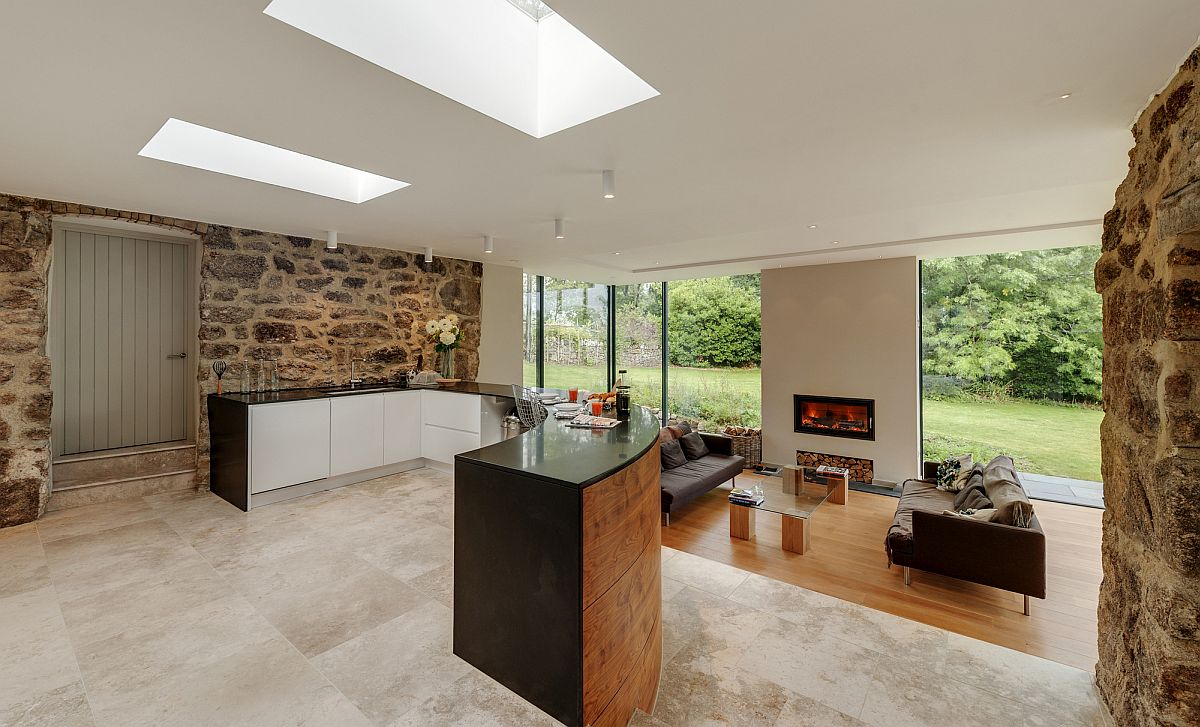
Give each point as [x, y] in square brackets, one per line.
[685, 483]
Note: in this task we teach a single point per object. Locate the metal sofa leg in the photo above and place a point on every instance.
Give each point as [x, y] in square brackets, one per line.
[907, 576]
[1026, 605]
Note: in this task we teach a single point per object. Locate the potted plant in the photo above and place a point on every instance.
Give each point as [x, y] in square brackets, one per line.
[445, 335]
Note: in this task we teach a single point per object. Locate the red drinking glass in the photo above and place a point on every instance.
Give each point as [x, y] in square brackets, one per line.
[573, 394]
[597, 407]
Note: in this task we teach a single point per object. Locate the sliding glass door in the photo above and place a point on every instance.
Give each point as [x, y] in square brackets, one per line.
[638, 344]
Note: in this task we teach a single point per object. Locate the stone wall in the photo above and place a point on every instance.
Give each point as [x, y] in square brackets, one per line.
[267, 296]
[1149, 275]
[262, 295]
[24, 368]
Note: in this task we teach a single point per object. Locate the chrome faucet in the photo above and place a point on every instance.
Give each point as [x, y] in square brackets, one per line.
[355, 379]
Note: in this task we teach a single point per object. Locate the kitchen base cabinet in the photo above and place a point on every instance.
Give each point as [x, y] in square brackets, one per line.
[289, 444]
[356, 433]
[402, 425]
[441, 444]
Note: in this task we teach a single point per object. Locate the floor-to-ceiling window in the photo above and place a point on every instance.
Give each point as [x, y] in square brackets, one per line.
[575, 344]
[710, 362]
[639, 342]
[531, 316]
[1011, 355]
[714, 351]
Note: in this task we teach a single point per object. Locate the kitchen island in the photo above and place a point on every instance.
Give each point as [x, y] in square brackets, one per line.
[557, 584]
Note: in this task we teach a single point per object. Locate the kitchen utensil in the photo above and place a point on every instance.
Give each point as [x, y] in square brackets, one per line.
[219, 368]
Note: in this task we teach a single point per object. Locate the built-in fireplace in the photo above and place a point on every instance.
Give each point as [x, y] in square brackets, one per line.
[835, 416]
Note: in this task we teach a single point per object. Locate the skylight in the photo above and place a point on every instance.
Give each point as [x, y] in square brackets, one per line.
[539, 77]
[535, 9]
[197, 146]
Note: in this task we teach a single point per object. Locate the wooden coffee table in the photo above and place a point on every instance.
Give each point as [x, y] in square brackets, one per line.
[796, 497]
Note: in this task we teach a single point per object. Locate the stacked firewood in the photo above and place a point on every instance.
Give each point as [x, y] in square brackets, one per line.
[732, 431]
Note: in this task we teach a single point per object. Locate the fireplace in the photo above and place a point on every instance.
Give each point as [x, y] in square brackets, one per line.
[835, 416]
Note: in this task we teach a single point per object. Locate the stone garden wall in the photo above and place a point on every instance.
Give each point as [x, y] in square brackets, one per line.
[262, 296]
[1149, 275]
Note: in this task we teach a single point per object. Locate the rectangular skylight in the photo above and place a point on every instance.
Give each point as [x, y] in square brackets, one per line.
[191, 145]
[539, 77]
[535, 9]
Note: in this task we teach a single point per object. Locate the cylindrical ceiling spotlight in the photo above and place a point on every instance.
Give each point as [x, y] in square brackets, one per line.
[487, 244]
[609, 183]
[429, 254]
[560, 229]
[331, 242]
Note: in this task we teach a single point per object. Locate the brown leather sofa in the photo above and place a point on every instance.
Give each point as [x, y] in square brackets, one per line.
[991, 554]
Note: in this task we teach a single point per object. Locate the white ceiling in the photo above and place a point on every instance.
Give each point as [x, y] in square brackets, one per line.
[928, 127]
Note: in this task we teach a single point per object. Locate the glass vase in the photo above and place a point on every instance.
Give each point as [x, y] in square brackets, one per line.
[447, 364]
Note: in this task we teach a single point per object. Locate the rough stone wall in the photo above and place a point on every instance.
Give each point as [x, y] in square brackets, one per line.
[262, 295]
[24, 368]
[1149, 275]
[267, 296]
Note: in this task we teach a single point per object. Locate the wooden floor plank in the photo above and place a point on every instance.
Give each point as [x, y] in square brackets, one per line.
[847, 561]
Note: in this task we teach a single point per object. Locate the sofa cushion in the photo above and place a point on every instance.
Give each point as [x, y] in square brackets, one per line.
[915, 495]
[952, 473]
[693, 446]
[1008, 497]
[698, 476]
[672, 455]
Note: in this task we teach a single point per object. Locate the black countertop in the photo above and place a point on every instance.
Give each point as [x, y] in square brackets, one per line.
[553, 452]
[336, 392]
[569, 456]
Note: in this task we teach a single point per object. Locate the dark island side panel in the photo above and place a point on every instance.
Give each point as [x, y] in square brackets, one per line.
[229, 461]
[517, 585]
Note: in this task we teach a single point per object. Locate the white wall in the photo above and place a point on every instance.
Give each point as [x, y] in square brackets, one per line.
[500, 339]
[848, 329]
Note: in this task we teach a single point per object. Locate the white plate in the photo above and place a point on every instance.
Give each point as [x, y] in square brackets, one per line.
[549, 397]
[570, 407]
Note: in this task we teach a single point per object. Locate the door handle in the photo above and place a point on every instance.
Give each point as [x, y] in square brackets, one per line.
[177, 355]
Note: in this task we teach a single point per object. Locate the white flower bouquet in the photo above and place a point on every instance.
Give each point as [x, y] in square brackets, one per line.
[445, 335]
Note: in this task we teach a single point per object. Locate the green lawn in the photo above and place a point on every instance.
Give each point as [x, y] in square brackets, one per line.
[1042, 438]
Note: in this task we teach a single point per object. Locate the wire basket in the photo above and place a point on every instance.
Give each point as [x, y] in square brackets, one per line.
[530, 410]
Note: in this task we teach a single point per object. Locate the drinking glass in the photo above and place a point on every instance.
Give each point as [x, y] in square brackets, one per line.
[573, 394]
[597, 407]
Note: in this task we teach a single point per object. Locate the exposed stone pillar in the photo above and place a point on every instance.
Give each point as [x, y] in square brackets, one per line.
[24, 369]
[1149, 275]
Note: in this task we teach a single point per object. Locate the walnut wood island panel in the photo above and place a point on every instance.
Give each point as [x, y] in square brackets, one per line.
[557, 582]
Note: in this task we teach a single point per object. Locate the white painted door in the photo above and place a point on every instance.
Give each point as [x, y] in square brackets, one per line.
[118, 340]
[355, 433]
[289, 444]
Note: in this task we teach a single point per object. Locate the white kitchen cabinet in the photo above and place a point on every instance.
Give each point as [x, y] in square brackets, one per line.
[356, 433]
[451, 411]
[402, 424]
[441, 444]
[289, 444]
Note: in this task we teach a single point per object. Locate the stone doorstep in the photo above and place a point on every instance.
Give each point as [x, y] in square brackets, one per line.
[65, 499]
[68, 485]
[131, 463]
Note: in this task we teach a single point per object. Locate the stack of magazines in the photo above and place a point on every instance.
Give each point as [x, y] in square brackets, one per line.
[588, 421]
[739, 496]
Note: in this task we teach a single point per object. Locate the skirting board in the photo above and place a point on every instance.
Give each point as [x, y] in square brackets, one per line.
[350, 478]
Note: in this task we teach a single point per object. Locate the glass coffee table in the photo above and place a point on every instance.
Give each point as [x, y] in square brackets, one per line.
[795, 497]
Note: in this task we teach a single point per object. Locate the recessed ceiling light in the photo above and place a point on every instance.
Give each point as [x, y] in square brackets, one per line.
[812, 227]
[530, 69]
[1065, 96]
[836, 242]
[616, 253]
[191, 145]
